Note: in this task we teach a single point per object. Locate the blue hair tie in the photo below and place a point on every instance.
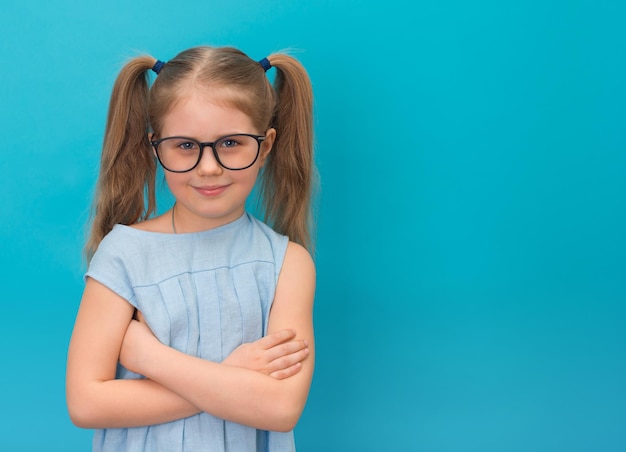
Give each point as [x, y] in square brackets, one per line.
[157, 66]
[265, 64]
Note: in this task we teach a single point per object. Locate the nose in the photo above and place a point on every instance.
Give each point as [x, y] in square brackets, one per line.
[208, 164]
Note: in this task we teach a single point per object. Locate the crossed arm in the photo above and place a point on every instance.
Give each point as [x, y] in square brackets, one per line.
[263, 385]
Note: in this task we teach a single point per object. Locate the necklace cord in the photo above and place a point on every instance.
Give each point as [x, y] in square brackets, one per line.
[173, 225]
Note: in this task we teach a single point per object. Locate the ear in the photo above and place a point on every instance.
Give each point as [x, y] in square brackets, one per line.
[150, 138]
[267, 144]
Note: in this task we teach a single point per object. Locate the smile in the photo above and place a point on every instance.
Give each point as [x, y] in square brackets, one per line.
[211, 190]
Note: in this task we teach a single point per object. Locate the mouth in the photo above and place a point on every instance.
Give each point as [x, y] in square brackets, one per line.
[211, 190]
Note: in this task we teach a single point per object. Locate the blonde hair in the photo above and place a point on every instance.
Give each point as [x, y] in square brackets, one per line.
[125, 192]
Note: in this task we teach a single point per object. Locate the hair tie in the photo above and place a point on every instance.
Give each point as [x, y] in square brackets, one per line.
[265, 64]
[157, 66]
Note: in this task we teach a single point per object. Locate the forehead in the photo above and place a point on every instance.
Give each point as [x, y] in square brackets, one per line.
[206, 115]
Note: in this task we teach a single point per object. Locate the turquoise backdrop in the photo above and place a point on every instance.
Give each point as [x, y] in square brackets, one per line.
[471, 227]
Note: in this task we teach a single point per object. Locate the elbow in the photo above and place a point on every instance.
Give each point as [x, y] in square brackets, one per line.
[285, 408]
[286, 415]
[78, 417]
[284, 423]
[81, 416]
[286, 426]
[81, 412]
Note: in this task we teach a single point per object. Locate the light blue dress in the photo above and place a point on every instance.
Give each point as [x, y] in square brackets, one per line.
[204, 294]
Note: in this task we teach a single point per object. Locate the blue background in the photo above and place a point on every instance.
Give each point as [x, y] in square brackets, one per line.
[471, 228]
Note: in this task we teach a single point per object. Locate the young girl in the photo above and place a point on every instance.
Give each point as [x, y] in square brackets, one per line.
[195, 329]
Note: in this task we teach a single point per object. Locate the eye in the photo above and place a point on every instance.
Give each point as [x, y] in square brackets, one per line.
[229, 142]
[187, 145]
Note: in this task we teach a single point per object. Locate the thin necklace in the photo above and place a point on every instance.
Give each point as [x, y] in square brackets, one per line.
[173, 225]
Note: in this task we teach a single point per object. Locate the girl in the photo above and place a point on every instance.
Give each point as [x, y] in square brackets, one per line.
[195, 329]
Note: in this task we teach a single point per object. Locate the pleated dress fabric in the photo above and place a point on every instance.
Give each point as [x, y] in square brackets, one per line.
[201, 293]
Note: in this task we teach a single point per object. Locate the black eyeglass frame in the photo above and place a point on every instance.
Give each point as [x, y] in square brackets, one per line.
[259, 139]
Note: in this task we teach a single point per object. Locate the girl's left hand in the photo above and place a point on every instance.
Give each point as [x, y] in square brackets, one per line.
[278, 355]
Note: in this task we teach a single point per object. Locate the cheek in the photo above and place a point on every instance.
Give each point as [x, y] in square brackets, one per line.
[175, 181]
[251, 176]
[245, 181]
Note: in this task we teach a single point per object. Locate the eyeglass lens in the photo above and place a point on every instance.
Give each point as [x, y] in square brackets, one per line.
[232, 152]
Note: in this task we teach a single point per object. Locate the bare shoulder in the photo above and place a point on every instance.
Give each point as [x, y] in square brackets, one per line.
[295, 294]
[296, 282]
[298, 260]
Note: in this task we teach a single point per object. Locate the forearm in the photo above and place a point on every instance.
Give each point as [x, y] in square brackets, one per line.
[124, 404]
[232, 393]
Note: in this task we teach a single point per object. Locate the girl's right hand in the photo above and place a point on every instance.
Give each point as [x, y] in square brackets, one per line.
[276, 355]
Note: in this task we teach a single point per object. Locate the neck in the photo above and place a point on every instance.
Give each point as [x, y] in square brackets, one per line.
[183, 222]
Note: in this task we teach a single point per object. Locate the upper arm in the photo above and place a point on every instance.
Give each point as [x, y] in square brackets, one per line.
[293, 308]
[101, 323]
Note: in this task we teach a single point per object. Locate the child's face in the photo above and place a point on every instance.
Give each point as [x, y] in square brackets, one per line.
[209, 196]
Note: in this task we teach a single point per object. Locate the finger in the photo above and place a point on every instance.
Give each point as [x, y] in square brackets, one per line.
[284, 349]
[285, 362]
[276, 338]
[288, 372]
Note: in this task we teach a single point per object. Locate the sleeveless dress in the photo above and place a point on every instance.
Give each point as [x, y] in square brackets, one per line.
[204, 294]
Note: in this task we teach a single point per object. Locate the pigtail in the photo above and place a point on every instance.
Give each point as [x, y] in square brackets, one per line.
[127, 166]
[290, 171]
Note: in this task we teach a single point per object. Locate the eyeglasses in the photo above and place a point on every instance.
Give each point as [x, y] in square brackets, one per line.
[232, 152]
